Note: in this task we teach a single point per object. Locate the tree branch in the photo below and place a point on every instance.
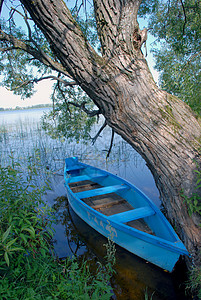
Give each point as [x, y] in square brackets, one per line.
[36, 80]
[185, 19]
[63, 95]
[76, 8]
[7, 48]
[116, 25]
[36, 53]
[25, 17]
[98, 133]
[71, 35]
[66, 83]
[92, 113]
[1, 4]
[111, 144]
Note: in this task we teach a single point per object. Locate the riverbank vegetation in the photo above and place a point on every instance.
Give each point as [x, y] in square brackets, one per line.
[28, 266]
[27, 107]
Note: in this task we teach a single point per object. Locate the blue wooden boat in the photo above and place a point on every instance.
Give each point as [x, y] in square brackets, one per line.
[120, 211]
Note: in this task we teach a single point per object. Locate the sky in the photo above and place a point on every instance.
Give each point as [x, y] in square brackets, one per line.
[44, 88]
[42, 96]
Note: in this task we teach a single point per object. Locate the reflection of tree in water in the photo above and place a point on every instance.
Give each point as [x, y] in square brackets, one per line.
[75, 240]
[63, 217]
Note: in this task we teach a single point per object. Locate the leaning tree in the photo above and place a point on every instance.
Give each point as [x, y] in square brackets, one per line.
[162, 128]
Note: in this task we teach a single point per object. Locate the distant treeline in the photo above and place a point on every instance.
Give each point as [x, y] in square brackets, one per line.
[27, 107]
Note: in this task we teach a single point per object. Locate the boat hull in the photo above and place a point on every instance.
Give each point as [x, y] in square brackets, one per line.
[153, 249]
[157, 255]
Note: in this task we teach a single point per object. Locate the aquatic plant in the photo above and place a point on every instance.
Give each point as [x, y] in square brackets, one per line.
[146, 295]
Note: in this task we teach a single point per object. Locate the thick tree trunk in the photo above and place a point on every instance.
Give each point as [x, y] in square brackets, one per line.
[159, 126]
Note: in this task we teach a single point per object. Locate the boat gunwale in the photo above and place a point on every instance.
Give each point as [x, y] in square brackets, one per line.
[179, 248]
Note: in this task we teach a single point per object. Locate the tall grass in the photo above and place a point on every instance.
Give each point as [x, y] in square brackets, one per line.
[30, 140]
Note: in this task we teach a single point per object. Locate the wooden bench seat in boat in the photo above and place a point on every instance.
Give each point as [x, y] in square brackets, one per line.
[74, 168]
[108, 203]
[84, 185]
[132, 215]
[101, 191]
[85, 177]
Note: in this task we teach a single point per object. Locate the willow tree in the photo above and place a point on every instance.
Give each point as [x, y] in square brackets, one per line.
[177, 24]
[159, 126]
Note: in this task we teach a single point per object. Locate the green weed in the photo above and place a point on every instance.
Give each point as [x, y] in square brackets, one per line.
[146, 295]
[194, 282]
[28, 268]
[192, 203]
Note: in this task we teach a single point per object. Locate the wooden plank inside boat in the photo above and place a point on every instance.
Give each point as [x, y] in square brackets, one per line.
[116, 209]
[84, 185]
[106, 200]
[79, 183]
[108, 204]
[141, 225]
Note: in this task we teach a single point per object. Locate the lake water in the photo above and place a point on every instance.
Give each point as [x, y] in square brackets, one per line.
[123, 161]
[26, 116]
[20, 135]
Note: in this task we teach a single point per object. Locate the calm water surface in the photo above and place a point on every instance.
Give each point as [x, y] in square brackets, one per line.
[13, 117]
[73, 236]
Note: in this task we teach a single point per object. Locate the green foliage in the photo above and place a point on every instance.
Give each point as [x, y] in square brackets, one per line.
[28, 270]
[17, 68]
[194, 283]
[198, 182]
[147, 7]
[22, 222]
[193, 203]
[83, 12]
[66, 119]
[146, 296]
[177, 25]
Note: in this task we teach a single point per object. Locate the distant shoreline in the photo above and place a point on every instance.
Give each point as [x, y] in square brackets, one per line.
[27, 107]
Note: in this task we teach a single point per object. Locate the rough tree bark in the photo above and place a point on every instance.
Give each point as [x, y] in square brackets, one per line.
[159, 126]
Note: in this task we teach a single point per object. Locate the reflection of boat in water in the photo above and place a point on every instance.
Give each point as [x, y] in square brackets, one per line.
[117, 209]
[133, 275]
